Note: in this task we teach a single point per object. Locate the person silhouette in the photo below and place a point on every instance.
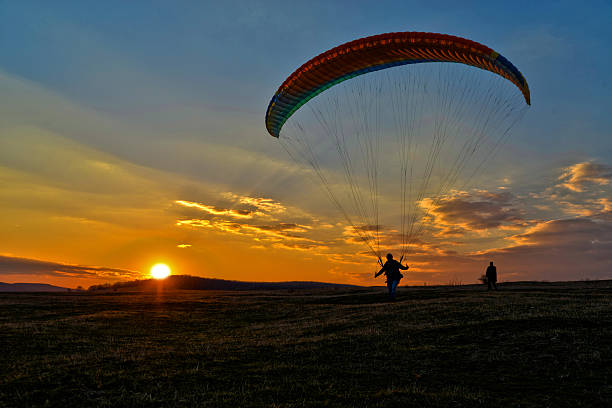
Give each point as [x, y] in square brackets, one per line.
[491, 276]
[391, 268]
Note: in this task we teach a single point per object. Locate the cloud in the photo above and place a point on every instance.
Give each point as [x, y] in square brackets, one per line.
[606, 204]
[463, 212]
[273, 232]
[266, 205]
[24, 266]
[248, 207]
[385, 239]
[572, 249]
[282, 227]
[584, 208]
[557, 250]
[363, 234]
[216, 210]
[569, 232]
[242, 215]
[300, 246]
[583, 189]
[579, 175]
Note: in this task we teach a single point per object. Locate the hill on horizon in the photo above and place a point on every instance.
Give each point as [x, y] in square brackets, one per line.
[188, 282]
[31, 287]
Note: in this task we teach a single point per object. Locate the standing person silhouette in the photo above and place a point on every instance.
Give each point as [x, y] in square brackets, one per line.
[491, 276]
[391, 268]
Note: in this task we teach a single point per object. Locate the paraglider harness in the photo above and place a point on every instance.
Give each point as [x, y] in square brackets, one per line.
[399, 275]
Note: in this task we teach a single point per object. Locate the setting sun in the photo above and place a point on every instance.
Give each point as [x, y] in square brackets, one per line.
[160, 271]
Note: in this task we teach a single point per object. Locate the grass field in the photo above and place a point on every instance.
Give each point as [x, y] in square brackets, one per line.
[526, 346]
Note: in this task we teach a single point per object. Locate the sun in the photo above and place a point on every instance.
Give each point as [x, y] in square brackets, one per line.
[160, 271]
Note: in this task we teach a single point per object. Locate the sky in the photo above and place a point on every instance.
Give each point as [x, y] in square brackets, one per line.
[132, 133]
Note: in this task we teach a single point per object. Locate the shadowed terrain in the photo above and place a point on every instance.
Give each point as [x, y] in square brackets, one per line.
[30, 287]
[529, 345]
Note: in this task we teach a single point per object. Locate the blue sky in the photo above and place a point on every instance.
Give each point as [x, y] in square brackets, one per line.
[179, 89]
[137, 58]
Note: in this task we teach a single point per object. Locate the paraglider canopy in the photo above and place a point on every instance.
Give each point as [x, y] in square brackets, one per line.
[378, 52]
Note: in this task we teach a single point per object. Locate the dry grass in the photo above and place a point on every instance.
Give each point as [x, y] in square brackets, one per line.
[529, 345]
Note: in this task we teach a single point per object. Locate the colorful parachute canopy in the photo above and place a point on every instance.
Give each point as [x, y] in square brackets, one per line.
[379, 52]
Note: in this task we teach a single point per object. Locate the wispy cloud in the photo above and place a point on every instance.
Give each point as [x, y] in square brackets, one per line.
[217, 210]
[275, 232]
[301, 246]
[579, 175]
[259, 218]
[238, 206]
[266, 205]
[25, 266]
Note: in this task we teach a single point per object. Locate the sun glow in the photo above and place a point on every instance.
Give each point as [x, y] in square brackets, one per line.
[160, 271]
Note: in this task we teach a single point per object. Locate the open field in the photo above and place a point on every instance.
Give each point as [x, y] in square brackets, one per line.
[525, 346]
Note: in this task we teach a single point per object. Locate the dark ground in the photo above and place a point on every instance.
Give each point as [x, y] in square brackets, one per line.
[526, 346]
